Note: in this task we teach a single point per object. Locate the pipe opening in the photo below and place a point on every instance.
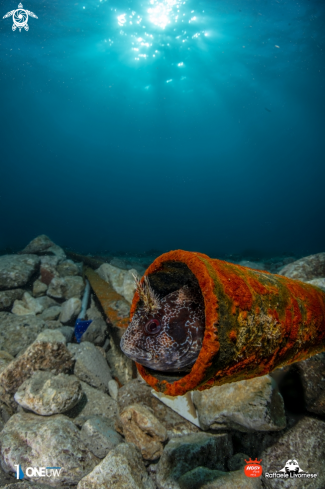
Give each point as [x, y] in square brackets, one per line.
[171, 277]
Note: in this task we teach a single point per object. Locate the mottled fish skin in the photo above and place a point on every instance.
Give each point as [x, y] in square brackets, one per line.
[170, 338]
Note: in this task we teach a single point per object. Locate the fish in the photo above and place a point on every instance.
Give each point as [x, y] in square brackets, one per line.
[166, 334]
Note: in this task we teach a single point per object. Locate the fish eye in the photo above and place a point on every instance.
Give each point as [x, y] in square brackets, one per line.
[153, 326]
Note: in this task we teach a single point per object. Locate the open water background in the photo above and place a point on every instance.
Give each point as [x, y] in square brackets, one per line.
[197, 125]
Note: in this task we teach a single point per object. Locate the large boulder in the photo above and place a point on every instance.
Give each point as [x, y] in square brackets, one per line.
[47, 394]
[16, 270]
[248, 405]
[32, 441]
[18, 332]
[122, 468]
[305, 269]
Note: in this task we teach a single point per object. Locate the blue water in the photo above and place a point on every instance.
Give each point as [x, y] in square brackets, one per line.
[197, 125]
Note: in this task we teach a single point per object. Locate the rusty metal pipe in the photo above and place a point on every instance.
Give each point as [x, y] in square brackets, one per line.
[255, 321]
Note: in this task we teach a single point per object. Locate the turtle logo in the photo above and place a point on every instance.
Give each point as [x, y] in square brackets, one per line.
[20, 18]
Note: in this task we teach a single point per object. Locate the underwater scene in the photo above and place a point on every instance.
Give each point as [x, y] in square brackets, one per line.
[162, 244]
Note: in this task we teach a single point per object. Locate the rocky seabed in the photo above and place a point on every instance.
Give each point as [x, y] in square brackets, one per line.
[79, 408]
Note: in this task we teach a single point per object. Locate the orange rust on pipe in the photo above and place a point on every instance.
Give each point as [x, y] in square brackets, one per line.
[254, 322]
[106, 296]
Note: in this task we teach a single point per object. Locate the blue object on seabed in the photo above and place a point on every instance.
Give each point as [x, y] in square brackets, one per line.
[82, 324]
[80, 327]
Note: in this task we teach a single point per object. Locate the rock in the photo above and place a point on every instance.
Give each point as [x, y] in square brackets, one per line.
[49, 260]
[58, 252]
[304, 442]
[38, 245]
[33, 441]
[113, 389]
[305, 269]
[129, 285]
[51, 336]
[16, 270]
[138, 392]
[90, 365]
[67, 268]
[52, 357]
[53, 325]
[52, 313]
[47, 394]
[57, 287]
[17, 332]
[97, 332]
[20, 309]
[7, 298]
[318, 282]
[66, 288]
[122, 468]
[237, 461]
[122, 307]
[182, 455]
[248, 405]
[312, 374]
[46, 302]
[68, 332]
[39, 288]
[47, 273]
[70, 310]
[99, 436]
[205, 478]
[143, 429]
[32, 304]
[120, 365]
[253, 264]
[122, 281]
[24, 484]
[93, 403]
[5, 359]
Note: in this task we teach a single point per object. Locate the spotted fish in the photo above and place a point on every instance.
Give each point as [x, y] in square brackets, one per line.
[166, 334]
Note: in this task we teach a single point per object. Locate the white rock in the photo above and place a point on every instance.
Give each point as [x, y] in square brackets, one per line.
[32, 303]
[319, 282]
[99, 436]
[113, 389]
[47, 394]
[70, 310]
[51, 336]
[19, 308]
[129, 285]
[39, 289]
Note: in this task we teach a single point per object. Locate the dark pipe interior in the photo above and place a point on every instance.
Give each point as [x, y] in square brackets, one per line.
[170, 277]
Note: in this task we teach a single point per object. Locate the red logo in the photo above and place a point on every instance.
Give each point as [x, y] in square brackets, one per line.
[253, 468]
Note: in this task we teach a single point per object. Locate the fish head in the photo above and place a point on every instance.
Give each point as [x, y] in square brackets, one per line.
[168, 338]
